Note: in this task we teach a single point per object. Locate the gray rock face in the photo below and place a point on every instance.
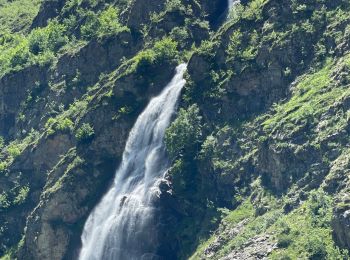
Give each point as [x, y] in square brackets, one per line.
[14, 88]
[341, 219]
[258, 247]
[86, 64]
[140, 12]
[223, 237]
[48, 10]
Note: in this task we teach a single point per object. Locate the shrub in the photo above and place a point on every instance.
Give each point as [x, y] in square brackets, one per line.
[58, 124]
[64, 124]
[284, 240]
[174, 5]
[254, 10]
[90, 27]
[21, 196]
[162, 51]
[85, 133]
[180, 34]
[144, 59]
[2, 142]
[3, 166]
[17, 15]
[109, 22]
[4, 201]
[39, 47]
[316, 247]
[208, 148]
[13, 150]
[207, 48]
[106, 23]
[50, 38]
[19, 55]
[235, 43]
[184, 132]
[165, 49]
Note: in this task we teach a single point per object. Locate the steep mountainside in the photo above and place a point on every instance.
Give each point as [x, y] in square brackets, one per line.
[259, 149]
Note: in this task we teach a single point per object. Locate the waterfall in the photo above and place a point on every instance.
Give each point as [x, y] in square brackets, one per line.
[122, 225]
[232, 3]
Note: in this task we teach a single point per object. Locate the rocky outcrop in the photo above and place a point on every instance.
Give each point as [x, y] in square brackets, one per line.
[141, 12]
[258, 247]
[96, 57]
[223, 236]
[14, 88]
[48, 10]
[216, 10]
[341, 223]
[68, 81]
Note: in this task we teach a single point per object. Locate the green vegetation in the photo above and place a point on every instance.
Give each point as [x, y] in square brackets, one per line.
[42, 45]
[104, 24]
[163, 51]
[85, 133]
[17, 15]
[49, 39]
[73, 162]
[39, 47]
[259, 146]
[58, 124]
[14, 197]
[310, 98]
[11, 254]
[243, 212]
[305, 233]
[184, 132]
[22, 195]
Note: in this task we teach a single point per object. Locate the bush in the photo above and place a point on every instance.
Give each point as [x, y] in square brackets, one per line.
[58, 124]
[90, 28]
[316, 247]
[180, 34]
[185, 132]
[4, 201]
[284, 240]
[85, 133]
[144, 60]
[39, 47]
[50, 38]
[64, 124]
[163, 51]
[106, 23]
[19, 55]
[21, 196]
[109, 22]
[3, 166]
[13, 150]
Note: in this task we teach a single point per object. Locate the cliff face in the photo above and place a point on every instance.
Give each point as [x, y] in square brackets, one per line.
[259, 148]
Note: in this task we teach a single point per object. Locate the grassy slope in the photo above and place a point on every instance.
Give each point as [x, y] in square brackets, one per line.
[17, 15]
[306, 231]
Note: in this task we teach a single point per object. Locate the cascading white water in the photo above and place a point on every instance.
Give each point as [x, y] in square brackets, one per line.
[232, 3]
[122, 224]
